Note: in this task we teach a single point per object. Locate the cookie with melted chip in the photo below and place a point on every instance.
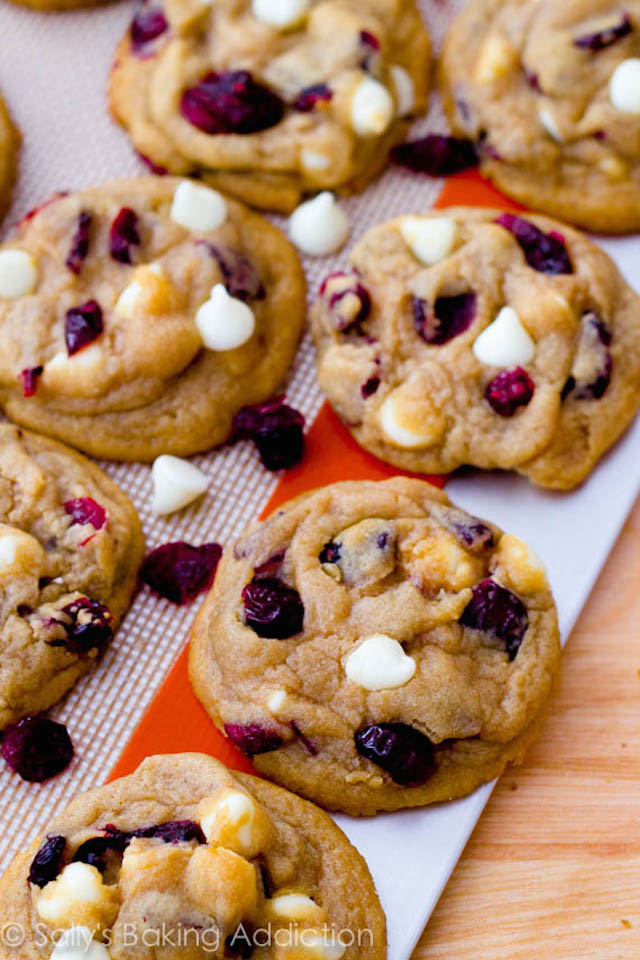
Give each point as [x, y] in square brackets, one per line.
[269, 100]
[70, 548]
[210, 857]
[139, 316]
[373, 647]
[551, 94]
[478, 337]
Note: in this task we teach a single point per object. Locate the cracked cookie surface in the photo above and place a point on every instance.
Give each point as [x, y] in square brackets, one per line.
[269, 109]
[373, 647]
[187, 846]
[478, 337]
[70, 547]
[139, 316]
[551, 92]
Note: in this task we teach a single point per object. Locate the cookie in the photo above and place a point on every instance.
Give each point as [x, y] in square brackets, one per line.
[49, 6]
[271, 99]
[210, 861]
[478, 337]
[70, 548]
[9, 146]
[138, 317]
[374, 647]
[551, 93]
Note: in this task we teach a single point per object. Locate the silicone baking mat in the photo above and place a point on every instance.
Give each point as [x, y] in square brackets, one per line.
[52, 73]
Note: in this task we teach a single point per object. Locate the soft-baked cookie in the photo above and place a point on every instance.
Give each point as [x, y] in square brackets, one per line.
[9, 145]
[374, 647]
[49, 6]
[138, 317]
[185, 860]
[270, 99]
[551, 93]
[479, 337]
[70, 548]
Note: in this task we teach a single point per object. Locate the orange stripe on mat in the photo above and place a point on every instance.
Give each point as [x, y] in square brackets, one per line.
[175, 722]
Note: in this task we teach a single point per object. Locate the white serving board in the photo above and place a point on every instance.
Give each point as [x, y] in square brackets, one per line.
[52, 72]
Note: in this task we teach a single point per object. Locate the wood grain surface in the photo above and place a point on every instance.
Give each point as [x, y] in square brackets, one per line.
[552, 871]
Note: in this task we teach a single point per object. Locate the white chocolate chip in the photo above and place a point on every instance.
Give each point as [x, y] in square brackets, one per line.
[624, 86]
[134, 296]
[176, 483]
[505, 342]
[380, 663]
[372, 108]
[281, 14]
[19, 553]
[402, 428]
[77, 897]
[294, 907]
[18, 273]
[523, 567]
[197, 207]
[404, 89]
[550, 124]
[430, 239]
[320, 226]
[223, 321]
[313, 160]
[234, 820]
[8, 546]
[276, 701]
[77, 943]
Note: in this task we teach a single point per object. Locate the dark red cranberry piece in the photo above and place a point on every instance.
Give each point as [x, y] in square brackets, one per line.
[270, 567]
[37, 748]
[90, 627]
[83, 325]
[311, 748]
[153, 167]
[371, 46]
[102, 852]
[401, 751]
[148, 24]
[47, 863]
[231, 103]
[29, 380]
[495, 610]
[331, 552]
[310, 96]
[79, 243]
[239, 273]
[437, 156]
[277, 431]
[510, 390]
[544, 252]
[180, 571]
[240, 943]
[173, 831]
[124, 234]
[253, 739]
[470, 531]
[593, 365]
[85, 510]
[272, 609]
[41, 206]
[601, 39]
[534, 81]
[451, 316]
[369, 387]
[349, 301]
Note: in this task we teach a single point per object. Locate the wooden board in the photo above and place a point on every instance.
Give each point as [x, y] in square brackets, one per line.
[553, 869]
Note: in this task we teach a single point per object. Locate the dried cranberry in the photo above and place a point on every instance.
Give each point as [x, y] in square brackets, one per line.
[272, 609]
[153, 167]
[231, 103]
[47, 863]
[331, 552]
[270, 567]
[79, 243]
[371, 44]
[544, 252]
[451, 316]
[601, 39]
[173, 831]
[148, 24]
[510, 390]
[90, 627]
[85, 510]
[239, 273]
[124, 234]
[349, 301]
[29, 379]
[437, 156]
[593, 365]
[495, 610]
[41, 206]
[180, 571]
[277, 431]
[240, 943]
[252, 739]
[369, 387]
[83, 325]
[102, 852]
[401, 751]
[472, 532]
[310, 96]
[37, 748]
[310, 747]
